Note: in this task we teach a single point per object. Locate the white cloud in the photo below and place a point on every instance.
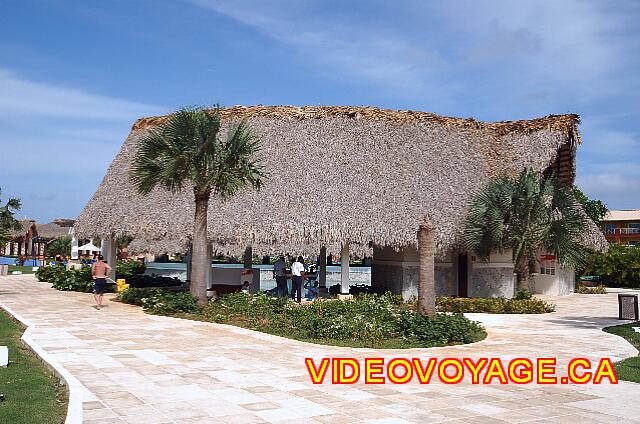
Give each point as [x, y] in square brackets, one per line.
[394, 63]
[521, 54]
[20, 97]
[619, 190]
[58, 142]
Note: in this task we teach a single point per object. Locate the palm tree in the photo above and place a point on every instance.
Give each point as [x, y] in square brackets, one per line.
[530, 214]
[7, 221]
[189, 150]
[426, 282]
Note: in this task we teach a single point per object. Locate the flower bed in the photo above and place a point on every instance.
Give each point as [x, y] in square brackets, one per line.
[494, 305]
[380, 321]
[582, 289]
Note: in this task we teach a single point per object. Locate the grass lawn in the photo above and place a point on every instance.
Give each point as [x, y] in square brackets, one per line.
[32, 393]
[24, 269]
[628, 369]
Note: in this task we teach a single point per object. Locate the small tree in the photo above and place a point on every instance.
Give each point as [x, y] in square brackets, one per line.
[187, 150]
[7, 221]
[60, 246]
[595, 209]
[529, 214]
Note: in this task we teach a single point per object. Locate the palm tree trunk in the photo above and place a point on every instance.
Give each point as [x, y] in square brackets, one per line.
[522, 274]
[426, 284]
[200, 261]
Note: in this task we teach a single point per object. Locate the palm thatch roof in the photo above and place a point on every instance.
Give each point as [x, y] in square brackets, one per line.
[55, 229]
[25, 226]
[361, 175]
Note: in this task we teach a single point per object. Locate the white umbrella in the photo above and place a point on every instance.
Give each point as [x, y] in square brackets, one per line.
[90, 246]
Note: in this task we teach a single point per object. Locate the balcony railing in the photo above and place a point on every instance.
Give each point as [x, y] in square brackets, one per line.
[622, 231]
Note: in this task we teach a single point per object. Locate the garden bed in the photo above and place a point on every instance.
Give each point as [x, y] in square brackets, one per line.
[582, 289]
[370, 320]
[498, 305]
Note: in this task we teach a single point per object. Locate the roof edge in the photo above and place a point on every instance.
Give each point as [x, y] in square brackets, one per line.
[566, 122]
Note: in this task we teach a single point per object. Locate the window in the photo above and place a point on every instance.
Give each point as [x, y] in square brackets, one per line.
[609, 228]
[548, 268]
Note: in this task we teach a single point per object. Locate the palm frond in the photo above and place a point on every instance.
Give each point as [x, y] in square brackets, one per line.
[188, 148]
[527, 214]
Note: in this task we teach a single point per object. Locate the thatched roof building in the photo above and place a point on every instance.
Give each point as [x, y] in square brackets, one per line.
[27, 229]
[55, 229]
[361, 175]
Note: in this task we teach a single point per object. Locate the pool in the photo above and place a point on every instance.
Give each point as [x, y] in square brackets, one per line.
[357, 275]
[7, 260]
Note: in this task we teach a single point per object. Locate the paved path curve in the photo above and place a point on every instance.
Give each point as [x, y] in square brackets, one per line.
[139, 368]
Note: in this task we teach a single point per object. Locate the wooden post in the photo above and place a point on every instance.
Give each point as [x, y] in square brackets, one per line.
[248, 258]
[322, 268]
[187, 259]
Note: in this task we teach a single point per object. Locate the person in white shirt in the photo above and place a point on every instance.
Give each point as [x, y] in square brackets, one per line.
[297, 273]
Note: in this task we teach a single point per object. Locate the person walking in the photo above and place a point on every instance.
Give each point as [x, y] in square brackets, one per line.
[297, 275]
[279, 271]
[99, 272]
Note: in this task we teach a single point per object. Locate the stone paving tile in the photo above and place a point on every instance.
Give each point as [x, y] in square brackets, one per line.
[140, 368]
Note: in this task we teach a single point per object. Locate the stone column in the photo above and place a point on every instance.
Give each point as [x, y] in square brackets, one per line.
[209, 278]
[74, 246]
[322, 268]
[110, 253]
[344, 269]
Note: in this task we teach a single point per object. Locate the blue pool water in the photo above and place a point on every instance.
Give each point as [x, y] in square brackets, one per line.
[357, 275]
[4, 260]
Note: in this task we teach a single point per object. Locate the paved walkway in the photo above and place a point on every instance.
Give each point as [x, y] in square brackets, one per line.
[140, 368]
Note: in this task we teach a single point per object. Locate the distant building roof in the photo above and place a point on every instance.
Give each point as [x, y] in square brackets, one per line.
[54, 229]
[26, 225]
[624, 215]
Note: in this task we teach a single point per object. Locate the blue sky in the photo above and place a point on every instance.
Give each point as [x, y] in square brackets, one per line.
[74, 75]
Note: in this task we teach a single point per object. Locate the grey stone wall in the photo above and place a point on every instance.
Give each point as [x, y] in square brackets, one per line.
[491, 281]
[396, 278]
[567, 282]
[398, 272]
[445, 282]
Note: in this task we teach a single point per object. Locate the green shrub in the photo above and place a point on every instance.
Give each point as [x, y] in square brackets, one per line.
[45, 273]
[368, 320]
[494, 305]
[133, 295]
[142, 281]
[72, 280]
[164, 302]
[619, 266]
[441, 330]
[127, 268]
[523, 294]
[582, 289]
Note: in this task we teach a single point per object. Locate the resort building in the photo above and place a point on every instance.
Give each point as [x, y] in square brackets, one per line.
[622, 227]
[32, 239]
[355, 180]
[21, 242]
